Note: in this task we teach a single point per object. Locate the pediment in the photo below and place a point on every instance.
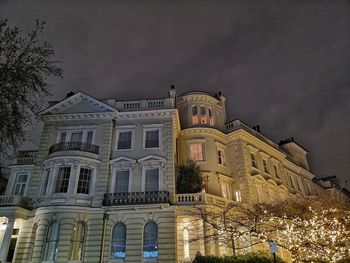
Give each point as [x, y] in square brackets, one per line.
[78, 103]
[122, 159]
[151, 158]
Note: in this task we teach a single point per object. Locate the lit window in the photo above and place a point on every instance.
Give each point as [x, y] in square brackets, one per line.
[51, 242]
[221, 156]
[196, 152]
[152, 139]
[122, 181]
[211, 120]
[20, 184]
[45, 182]
[266, 168]
[194, 115]
[276, 171]
[124, 140]
[77, 242]
[203, 116]
[252, 156]
[150, 240]
[118, 241]
[62, 180]
[84, 181]
[152, 180]
[238, 196]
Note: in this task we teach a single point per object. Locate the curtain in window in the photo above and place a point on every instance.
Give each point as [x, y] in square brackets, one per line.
[122, 181]
[77, 241]
[152, 180]
[118, 241]
[150, 240]
[51, 242]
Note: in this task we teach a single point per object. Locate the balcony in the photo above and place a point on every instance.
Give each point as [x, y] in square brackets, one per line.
[74, 146]
[136, 198]
[13, 200]
[201, 198]
[26, 157]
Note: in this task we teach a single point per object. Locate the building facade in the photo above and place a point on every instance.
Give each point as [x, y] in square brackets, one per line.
[101, 186]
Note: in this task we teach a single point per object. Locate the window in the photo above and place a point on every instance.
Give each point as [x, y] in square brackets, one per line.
[76, 136]
[266, 168]
[122, 181]
[63, 137]
[77, 241]
[196, 152]
[45, 182]
[152, 139]
[84, 181]
[308, 187]
[260, 193]
[51, 242]
[20, 184]
[291, 179]
[271, 195]
[221, 156]
[89, 137]
[186, 243]
[298, 184]
[152, 180]
[150, 240]
[203, 116]
[124, 140]
[276, 171]
[194, 115]
[211, 120]
[252, 156]
[62, 180]
[225, 190]
[238, 196]
[118, 243]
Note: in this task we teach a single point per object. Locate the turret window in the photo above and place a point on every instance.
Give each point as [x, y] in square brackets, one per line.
[194, 115]
[203, 115]
[210, 114]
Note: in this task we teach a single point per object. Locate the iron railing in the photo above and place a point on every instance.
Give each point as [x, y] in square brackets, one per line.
[136, 198]
[75, 146]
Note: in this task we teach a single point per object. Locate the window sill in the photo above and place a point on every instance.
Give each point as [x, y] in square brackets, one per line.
[122, 150]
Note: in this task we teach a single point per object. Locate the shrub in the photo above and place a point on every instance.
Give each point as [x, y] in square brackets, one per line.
[260, 257]
[188, 179]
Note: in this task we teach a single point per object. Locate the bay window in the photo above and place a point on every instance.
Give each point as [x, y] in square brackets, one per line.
[62, 180]
[51, 242]
[45, 182]
[77, 242]
[72, 134]
[84, 181]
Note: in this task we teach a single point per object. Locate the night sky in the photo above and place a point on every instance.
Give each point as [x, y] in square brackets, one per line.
[284, 65]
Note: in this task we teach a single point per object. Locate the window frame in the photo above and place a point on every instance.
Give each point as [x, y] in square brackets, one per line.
[265, 166]
[114, 186]
[202, 151]
[75, 129]
[149, 128]
[203, 117]
[90, 183]
[56, 177]
[45, 181]
[22, 184]
[117, 240]
[253, 162]
[150, 239]
[47, 242]
[238, 196]
[121, 129]
[194, 116]
[80, 241]
[221, 157]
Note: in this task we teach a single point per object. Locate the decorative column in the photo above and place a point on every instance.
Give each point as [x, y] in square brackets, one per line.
[7, 239]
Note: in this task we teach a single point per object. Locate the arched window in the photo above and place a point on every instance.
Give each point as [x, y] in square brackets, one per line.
[77, 241]
[118, 241]
[150, 240]
[194, 115]
[203, 115]
[51, 242]
[32, 240]
[211, 119]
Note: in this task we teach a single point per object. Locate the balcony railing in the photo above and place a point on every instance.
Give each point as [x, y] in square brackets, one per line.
[26, 157]
[13, 200]
[74, 146]
[201, 198]
[136, 198]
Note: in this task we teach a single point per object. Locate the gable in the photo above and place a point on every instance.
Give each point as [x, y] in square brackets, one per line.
[79, 103]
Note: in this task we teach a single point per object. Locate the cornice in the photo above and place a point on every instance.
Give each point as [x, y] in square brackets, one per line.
[205, 131]
[146, 114]
[79, 116]
[199, 97]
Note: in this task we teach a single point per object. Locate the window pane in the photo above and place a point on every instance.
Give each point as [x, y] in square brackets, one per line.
[118, 241]
[76, 137]
[152, 180]
[63, 137]
[152, 139]
[20, 184]
[45, 182]
[122, 181]
[84, 181]
[62, 180]
[196, 152]
[51, 242]
[124, 140]
[89, 137]
[203, 116]
[150, 240]
[77, 241]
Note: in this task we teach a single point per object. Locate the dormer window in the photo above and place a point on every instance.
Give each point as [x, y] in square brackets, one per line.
[194, 115]
[203, 115]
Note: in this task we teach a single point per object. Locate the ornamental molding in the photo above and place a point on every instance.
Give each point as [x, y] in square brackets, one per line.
[199, 97]
[76, 98]
[79, 116]
[146, 114]
[151, 159]
[71, 160]
[205, 131]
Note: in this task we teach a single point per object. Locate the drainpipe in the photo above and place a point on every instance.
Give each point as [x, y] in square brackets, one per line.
[105, 218]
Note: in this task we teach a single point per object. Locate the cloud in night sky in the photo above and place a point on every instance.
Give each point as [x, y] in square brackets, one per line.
[284, 65]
